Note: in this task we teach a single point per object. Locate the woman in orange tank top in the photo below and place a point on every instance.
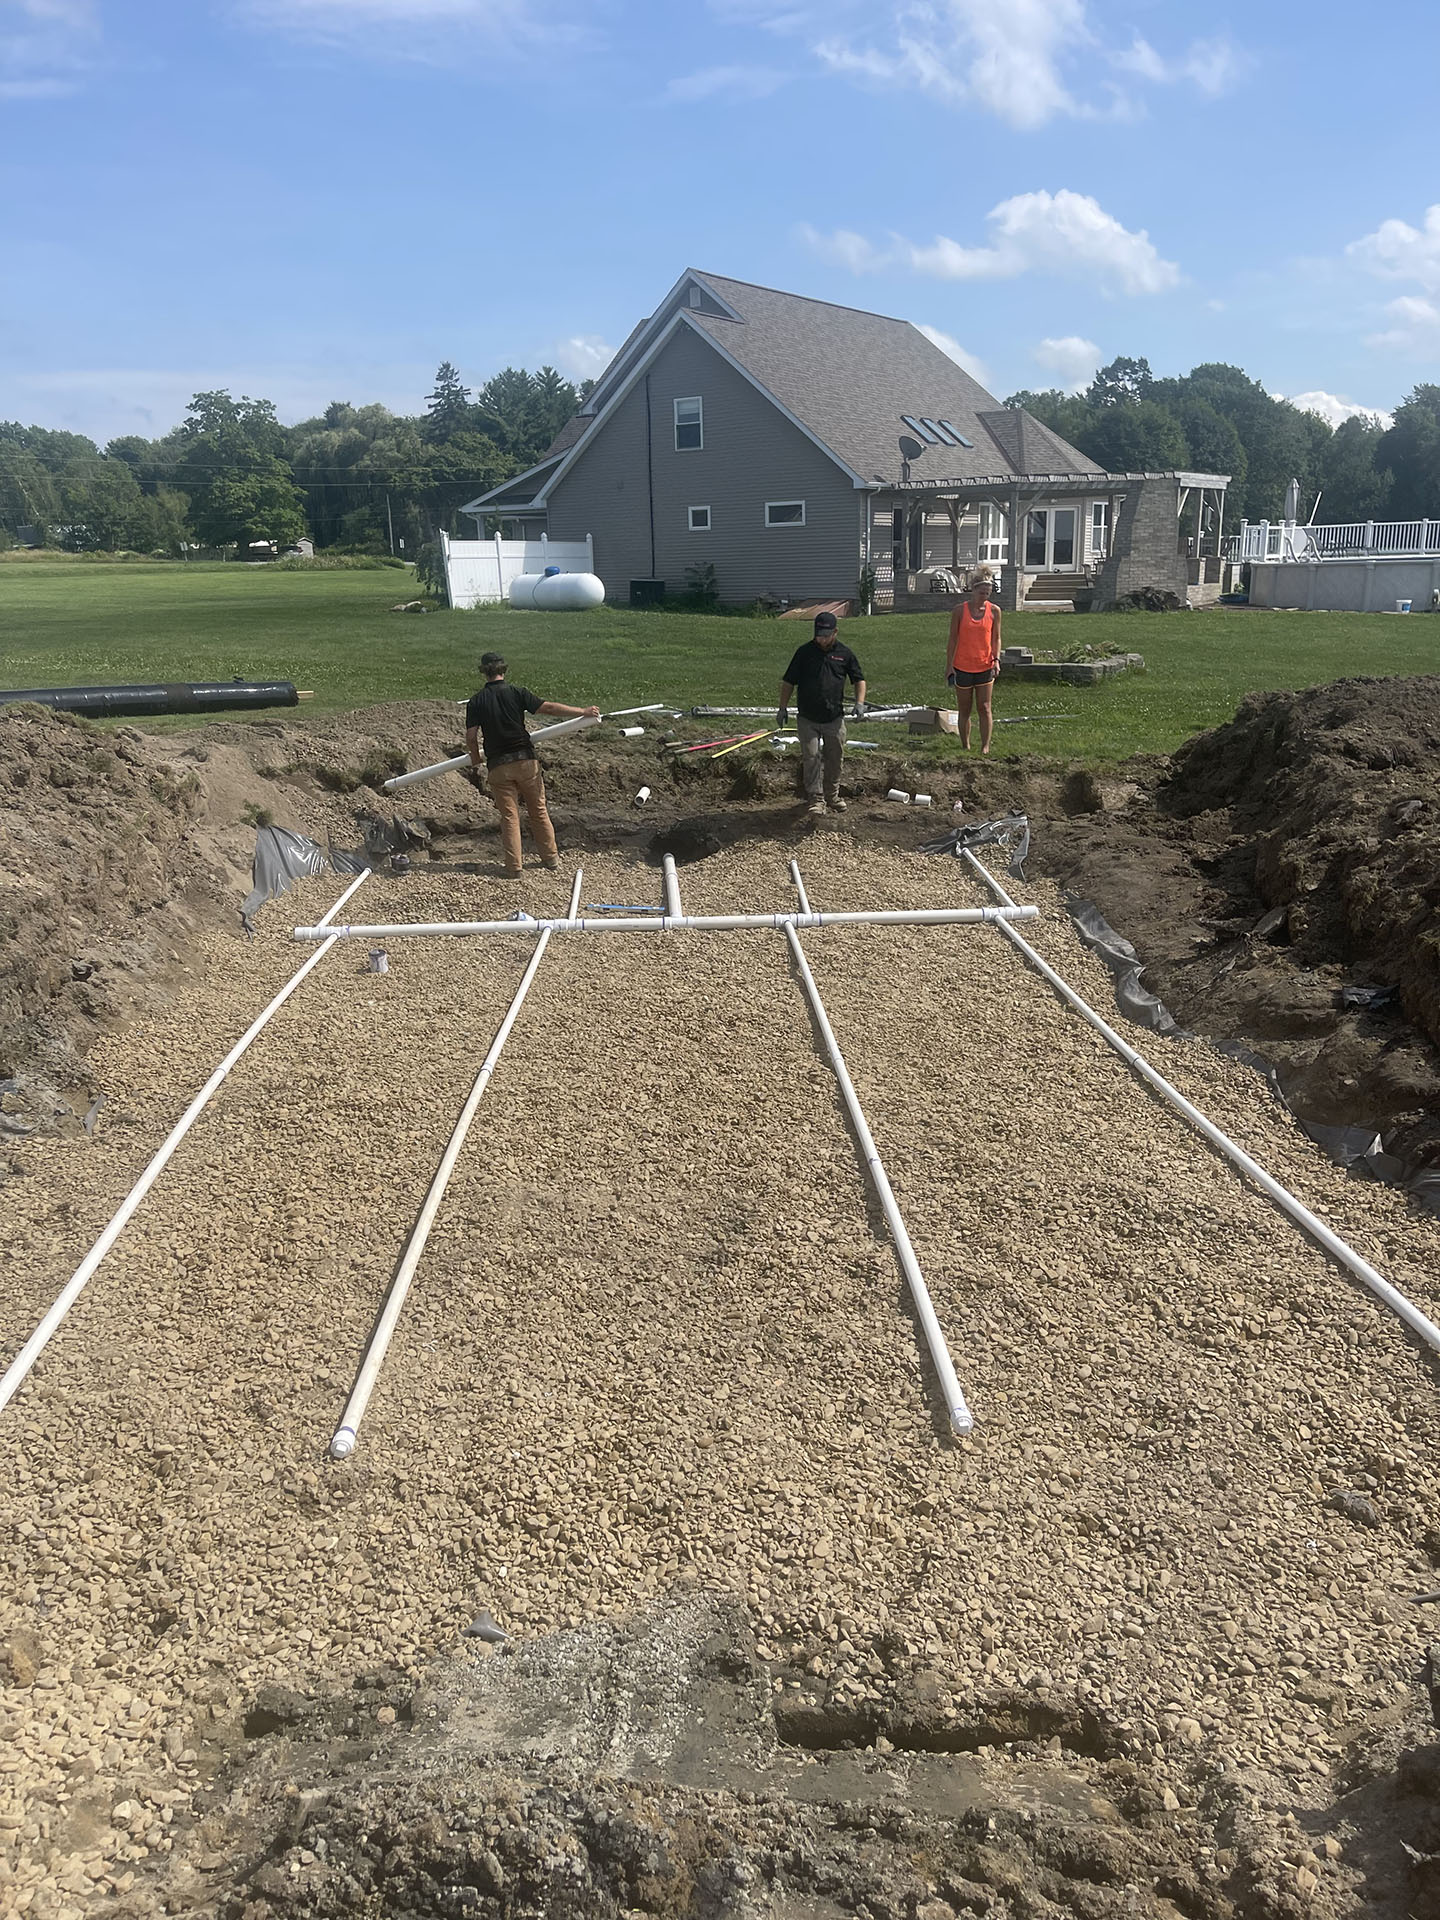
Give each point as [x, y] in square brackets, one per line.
[972, 657]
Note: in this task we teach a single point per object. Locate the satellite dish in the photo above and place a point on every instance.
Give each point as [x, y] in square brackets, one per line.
[909, 450]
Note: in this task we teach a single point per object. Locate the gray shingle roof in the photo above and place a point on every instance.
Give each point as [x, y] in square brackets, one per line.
[849, 376]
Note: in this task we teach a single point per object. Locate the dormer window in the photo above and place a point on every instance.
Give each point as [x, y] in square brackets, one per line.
[689, 425]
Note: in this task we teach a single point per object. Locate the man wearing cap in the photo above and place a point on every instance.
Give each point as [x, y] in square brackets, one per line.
[497, 715]
[817, 675]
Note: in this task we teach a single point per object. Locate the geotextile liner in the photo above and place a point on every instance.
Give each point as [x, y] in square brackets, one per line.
[283, 857]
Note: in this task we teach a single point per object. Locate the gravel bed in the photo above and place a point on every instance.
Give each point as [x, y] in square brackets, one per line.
[659, 1341]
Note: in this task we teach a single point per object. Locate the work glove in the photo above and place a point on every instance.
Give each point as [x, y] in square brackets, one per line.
[861, 709]
[782, 719]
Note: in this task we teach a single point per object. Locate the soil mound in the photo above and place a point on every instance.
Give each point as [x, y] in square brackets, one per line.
[1284, 858]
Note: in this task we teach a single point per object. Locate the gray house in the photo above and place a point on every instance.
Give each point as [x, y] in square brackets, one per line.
[791, 443]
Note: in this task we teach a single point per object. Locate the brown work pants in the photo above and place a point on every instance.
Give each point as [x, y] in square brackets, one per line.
[520, 780]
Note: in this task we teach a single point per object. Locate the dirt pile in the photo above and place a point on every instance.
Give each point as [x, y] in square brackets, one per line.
[1279, 860]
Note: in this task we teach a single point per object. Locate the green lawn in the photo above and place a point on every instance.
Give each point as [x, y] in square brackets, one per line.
[63, 623]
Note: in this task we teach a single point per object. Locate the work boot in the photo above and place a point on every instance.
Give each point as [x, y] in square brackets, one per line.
[817, 806]
[551, 866]
[837, 805]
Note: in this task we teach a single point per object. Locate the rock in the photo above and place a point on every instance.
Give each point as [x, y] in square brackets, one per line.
[274, 1709]
[24, 1657]
[1354, 1506]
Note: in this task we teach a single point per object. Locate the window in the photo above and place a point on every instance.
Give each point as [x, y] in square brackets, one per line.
[695, 296]
[689, 425]
[934, 427]
[916, 426]
[699, 519]
[1099, 529]
[784, 513]
[956, 434]
[994, 535]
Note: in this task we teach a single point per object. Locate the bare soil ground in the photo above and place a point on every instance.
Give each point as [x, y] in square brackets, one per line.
[1145, 1643]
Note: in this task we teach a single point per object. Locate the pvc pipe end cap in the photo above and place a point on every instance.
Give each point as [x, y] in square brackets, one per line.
[962, 1422]
[343, 1445]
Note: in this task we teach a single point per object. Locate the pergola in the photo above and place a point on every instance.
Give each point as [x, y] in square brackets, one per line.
[1016, 495]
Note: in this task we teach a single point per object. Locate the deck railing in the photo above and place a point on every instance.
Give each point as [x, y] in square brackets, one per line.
[1354, 540]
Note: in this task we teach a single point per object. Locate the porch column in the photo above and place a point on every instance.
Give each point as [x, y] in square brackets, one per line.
[1010, 576]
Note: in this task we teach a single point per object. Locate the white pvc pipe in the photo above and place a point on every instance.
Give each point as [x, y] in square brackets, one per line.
[671, 923]
[1418, 1322]
[75, 1286]
[673, 909]
[961, 1419]
[800, 892]
[342, 1444]
[463, 759]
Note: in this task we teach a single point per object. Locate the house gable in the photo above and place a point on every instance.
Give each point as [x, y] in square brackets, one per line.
[657, 505]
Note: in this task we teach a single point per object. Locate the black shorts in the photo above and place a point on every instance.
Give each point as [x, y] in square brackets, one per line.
[958, 678]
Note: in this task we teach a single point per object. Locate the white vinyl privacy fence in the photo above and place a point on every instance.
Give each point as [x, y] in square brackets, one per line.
[481, 570]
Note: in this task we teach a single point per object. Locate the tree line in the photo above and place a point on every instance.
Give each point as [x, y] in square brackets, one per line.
[231, 474]
[1216, 419]
[364, 479]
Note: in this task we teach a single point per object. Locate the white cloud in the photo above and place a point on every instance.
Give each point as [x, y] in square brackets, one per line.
[1006, 61]
[1398, 251]
[726, 83]
[1416, 328]
[1331, 407]
[1027, 63]
[1067, 234]
[949, 345]
[1072, 358]
[846, 249]
[1212, 66]
[584, 356]
[46, 47]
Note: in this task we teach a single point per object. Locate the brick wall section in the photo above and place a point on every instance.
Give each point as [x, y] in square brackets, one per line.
[1146, 547]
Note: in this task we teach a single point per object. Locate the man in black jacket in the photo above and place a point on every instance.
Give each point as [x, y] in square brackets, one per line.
[496, 714]
[818, 672]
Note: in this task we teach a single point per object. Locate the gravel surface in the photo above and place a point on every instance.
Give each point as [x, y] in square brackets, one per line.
[659, 1341]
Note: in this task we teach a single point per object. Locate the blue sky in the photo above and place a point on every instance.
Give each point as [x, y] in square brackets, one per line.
[321, 199]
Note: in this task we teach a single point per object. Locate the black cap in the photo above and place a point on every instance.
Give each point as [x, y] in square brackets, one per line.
[825, 623]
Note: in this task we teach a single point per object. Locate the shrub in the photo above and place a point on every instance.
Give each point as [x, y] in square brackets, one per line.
[334, 563]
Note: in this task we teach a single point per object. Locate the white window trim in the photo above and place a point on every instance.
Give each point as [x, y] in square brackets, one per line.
[688, 400]
[770, 504]
[691, 513]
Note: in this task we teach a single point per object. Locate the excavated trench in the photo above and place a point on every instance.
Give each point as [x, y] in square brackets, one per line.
[1143, 1644]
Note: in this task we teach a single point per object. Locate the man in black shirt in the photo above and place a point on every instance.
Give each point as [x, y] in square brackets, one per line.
[497, 715]
[818, 672]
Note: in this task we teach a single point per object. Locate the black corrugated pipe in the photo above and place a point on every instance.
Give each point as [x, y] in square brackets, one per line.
[123, 703]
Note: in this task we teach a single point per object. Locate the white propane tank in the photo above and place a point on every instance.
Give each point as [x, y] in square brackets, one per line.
[565, 592]
[522, 589]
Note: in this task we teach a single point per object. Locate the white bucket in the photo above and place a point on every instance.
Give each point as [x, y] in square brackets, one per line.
[1402, 606]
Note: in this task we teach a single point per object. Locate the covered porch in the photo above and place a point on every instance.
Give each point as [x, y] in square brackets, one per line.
[924, 537]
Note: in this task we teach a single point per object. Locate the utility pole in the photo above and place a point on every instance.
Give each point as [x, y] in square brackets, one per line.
[390, 522]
